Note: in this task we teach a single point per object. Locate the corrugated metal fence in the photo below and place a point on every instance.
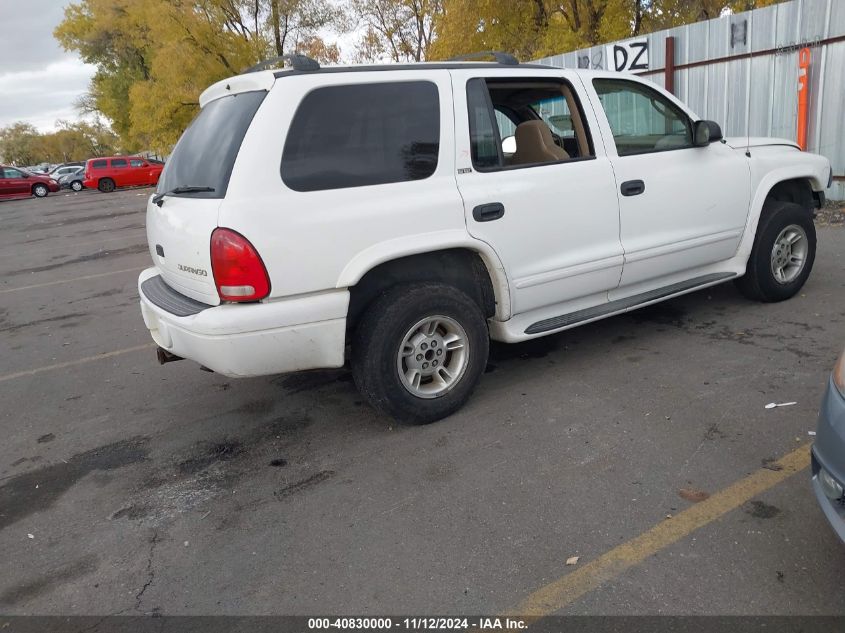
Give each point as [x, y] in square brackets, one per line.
[741, 71]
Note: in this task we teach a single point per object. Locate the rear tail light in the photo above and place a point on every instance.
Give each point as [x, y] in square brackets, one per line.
[239, 273]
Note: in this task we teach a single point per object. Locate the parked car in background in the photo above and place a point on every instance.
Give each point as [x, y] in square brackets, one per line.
[19, 183]
[66, 168]
[109, 173]
[73, 179]
[829, 451]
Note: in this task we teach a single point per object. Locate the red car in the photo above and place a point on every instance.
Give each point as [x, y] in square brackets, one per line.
[17, 183]
[106, 174]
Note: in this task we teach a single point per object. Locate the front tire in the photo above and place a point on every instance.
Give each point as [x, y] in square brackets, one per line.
[40, 191]
[106, 185]
[419, 351]
[76, 185]
[783, 254]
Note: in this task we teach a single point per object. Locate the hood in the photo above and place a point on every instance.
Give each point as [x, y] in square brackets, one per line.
[741, 142]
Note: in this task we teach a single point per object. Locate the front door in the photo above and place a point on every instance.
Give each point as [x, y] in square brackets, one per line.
[544, 200]
[12, 183]
[681, 207]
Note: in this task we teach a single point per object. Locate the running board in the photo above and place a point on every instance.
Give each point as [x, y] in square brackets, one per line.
[625, 304]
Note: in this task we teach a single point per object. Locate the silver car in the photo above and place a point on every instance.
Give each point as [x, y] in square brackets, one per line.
[73, 179]
[829, 451]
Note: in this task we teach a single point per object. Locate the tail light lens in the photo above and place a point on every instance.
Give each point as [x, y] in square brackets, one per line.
[239, 273]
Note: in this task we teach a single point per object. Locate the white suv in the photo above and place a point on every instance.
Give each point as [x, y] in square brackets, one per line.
[400, 216]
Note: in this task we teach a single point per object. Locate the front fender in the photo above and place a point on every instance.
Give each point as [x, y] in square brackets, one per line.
[389, 250]
[768, 170]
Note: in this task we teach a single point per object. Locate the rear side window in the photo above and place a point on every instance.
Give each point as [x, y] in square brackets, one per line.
[364, 134]
[205, 154]
[118, 162]
[98, 164]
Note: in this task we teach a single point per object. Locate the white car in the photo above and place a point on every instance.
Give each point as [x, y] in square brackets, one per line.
[383, 215]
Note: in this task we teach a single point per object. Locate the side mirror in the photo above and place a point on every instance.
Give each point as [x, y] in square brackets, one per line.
[706, 132]
[509, 144]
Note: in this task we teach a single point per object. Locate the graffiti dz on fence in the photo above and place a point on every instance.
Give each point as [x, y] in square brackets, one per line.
[630, 55]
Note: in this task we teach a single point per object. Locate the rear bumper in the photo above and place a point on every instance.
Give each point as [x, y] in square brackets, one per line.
[254, 339]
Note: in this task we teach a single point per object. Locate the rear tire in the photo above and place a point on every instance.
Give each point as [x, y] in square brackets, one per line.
[783, 253]
[40, 190]
[106, 185]
[76, 185]
[419, 350]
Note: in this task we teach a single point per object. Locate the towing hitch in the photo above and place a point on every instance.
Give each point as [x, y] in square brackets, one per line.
[166, 357]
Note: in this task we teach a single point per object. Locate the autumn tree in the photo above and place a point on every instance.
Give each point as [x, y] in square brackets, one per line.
[293, 25]
[395, 30]
[19, 144]
[155, 57]
[22, 144]
[537, 28]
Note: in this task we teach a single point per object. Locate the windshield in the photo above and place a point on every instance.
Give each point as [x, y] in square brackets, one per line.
[205, 154]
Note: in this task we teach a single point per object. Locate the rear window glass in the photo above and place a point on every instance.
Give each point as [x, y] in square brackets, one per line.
[118, 162]
[365, 134]
[98, 164]
[205, 154]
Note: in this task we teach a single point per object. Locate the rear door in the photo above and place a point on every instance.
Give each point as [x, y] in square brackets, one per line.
[179, 230]
[551, 215]
[120, 172]
[12, 182]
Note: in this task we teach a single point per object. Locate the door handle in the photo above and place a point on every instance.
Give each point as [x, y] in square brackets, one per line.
[488, 212]
[632, 188]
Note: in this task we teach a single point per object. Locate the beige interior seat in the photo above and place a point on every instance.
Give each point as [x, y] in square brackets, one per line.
[534, 144]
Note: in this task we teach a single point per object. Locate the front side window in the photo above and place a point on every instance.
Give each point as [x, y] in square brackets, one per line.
[12, 173]
[136, 163]
[363, 134]
[641, 119]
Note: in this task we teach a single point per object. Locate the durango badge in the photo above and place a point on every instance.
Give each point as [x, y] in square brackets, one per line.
[195, 271]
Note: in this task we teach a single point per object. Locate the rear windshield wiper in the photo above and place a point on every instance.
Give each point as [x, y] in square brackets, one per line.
[159, 197]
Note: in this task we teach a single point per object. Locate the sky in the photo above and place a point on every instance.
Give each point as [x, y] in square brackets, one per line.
[39, 82]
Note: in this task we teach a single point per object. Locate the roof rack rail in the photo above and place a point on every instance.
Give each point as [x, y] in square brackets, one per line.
[296, 61]
[501, 58]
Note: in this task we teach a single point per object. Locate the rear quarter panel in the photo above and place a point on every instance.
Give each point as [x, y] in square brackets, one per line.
[307, 239]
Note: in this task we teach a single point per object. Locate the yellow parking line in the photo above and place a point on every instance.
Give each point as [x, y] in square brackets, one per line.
[67, 281]
[564, 591]
[72, 363]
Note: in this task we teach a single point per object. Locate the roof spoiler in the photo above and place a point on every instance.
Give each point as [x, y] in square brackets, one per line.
[297, 62]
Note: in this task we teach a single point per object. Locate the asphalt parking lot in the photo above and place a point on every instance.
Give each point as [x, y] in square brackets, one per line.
[129, 487]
